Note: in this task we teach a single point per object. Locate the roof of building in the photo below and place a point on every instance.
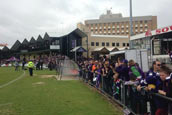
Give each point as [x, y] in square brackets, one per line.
[16, 45]
[78, 49]
[39, 39]
[25, 42]
[32, 40]
[112, 49]
[122, 19]
[78, 32]
[152, 33]
[5, 48]
[46, 36]
[101, 49]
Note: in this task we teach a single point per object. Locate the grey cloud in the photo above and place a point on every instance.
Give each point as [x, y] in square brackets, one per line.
[21, 19]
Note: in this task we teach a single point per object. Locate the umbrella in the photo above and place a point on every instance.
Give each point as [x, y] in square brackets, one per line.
[13, 59]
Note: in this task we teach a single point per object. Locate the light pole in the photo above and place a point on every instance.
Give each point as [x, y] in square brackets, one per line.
[131, 23]
[87, 47]
[75, 51]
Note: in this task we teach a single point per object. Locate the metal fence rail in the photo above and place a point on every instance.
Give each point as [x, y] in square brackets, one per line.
[133, 102]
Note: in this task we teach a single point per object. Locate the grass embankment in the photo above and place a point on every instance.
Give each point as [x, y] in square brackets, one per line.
[47, 96]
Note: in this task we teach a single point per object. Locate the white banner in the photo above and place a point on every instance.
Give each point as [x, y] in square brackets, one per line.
[54, 47]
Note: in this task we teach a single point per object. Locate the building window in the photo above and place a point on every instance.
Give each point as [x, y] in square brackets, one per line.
[113, 44]
[97, 43]
[127, 44]
[123, 44]
[57, 42]
[107, 43]
[92, 43]
[117, 44]
[103, 44]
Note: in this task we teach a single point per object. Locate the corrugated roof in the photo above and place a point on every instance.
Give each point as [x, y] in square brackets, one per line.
[5, 48]
[39, 39]
[25, 42]
[16, 45]
[47, 37]
[79, 32]
[32, 40]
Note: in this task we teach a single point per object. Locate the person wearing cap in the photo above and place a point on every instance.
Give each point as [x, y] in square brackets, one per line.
[30, 65]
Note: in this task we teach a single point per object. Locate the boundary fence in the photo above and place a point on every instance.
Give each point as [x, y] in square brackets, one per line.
[132, 101]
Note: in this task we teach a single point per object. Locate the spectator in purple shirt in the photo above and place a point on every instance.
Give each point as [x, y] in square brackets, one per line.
[122, 71]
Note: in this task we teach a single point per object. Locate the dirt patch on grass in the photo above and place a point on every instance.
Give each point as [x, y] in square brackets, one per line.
[47, 76]
[58, 77]
[69, 78]
[7, 110]
[38, 83]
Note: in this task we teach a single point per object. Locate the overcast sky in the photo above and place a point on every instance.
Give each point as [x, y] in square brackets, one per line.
[21, 19]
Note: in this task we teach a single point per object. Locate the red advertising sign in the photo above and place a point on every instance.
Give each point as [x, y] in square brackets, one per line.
[148, 33]
[164, 30]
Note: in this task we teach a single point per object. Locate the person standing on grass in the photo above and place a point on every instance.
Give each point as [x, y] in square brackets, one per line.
[30, 66]
[23, 63]
[16, 66]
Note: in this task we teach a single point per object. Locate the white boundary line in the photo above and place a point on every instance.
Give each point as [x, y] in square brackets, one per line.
[1, 86]
[5, 104]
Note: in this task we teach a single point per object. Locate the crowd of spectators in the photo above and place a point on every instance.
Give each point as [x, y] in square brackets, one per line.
[40, 63]
[121, 75]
